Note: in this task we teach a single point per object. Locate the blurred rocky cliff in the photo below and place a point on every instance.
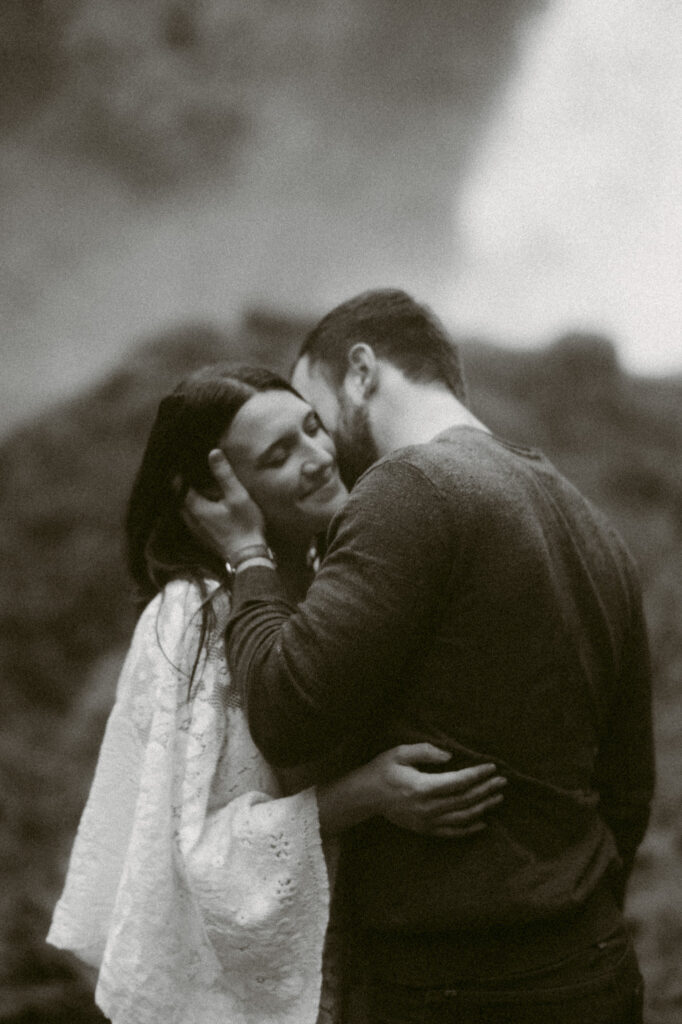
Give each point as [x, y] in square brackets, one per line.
[66, 611]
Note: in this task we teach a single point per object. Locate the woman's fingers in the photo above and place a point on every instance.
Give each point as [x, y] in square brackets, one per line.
[432, 802]
[470, 797]
[456, 831]
[457, 782]
[466, 815]
[417, 754]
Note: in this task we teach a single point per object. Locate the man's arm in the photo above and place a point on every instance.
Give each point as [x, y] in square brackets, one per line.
[316, 673]
[625, 772]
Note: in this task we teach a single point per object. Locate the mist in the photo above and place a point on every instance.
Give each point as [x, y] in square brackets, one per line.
[571, 213]
[511, 162]
[181, 162]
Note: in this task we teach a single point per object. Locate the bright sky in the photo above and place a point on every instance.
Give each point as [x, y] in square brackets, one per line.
[572, 214]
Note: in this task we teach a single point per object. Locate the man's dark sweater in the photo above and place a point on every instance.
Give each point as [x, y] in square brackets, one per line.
[470, 597]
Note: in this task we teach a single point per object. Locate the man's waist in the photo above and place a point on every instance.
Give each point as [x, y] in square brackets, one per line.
[526, 866]
[432, 959]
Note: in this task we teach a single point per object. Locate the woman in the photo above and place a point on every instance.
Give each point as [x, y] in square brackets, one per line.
[197, 883]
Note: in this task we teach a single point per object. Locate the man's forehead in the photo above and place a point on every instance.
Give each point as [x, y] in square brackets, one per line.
[309, 376]
[310, 381]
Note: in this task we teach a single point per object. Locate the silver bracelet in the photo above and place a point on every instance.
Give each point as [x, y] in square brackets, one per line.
[250, 563]
[255, 554]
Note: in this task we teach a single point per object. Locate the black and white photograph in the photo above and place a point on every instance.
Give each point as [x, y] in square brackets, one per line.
[341, 512]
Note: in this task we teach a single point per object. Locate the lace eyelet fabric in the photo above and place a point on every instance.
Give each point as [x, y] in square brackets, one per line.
[197, 888]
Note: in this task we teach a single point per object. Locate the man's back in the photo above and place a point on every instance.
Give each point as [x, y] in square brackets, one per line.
[471, 597]
[536, 659]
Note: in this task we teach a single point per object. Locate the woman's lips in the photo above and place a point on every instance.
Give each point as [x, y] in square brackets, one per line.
[325, 489]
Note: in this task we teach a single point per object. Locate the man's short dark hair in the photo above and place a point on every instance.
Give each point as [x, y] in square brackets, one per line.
[399, 329]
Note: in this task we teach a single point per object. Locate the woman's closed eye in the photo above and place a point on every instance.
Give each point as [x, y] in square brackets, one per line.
[312, 424]
[278, 453]
[275, 458]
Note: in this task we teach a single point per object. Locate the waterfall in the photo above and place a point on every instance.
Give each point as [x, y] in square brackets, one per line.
[570, 215]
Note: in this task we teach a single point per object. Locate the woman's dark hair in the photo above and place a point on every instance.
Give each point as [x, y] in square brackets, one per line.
[188, 424]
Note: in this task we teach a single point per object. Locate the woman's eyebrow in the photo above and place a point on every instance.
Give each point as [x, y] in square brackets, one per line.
[287, 438]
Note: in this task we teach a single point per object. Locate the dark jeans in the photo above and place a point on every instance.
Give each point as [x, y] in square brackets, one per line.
[599, 985]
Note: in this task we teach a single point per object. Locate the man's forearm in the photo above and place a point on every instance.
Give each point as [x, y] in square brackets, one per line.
[259, 610]
[312, 674]
[303, 680]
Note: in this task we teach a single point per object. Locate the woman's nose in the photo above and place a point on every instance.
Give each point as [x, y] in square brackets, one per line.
[317, 457]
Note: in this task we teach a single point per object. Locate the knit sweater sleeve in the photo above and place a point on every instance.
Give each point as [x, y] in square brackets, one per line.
[625, 771]
[313, 673]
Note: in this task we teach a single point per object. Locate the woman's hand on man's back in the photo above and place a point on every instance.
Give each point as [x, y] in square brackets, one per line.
[402, 786]
[444, 803]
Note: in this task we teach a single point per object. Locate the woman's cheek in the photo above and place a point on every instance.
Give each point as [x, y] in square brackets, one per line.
[280, 492]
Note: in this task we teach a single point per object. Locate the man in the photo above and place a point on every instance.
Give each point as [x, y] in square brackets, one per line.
[469, 596]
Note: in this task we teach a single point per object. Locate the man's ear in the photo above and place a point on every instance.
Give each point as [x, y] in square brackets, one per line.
[363, 371]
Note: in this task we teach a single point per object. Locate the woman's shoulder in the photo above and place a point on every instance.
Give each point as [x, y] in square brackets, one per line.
[181, 611]
[183, 599]
[182, 621]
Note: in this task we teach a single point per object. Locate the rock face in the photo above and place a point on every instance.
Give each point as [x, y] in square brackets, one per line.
[66, 613]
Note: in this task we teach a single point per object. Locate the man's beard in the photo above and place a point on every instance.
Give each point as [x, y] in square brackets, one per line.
[356, 449]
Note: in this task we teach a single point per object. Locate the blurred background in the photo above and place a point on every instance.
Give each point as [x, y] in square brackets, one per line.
[189, 180]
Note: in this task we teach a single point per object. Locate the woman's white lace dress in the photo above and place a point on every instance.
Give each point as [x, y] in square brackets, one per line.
[197, 889]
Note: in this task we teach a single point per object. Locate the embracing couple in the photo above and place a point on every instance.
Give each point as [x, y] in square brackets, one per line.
[378, 757]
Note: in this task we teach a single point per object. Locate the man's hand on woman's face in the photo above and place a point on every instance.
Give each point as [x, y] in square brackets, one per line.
[230, 524]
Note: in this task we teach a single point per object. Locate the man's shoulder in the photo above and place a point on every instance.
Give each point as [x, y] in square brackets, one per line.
[451, 459]
[401, 487]
[433, 481]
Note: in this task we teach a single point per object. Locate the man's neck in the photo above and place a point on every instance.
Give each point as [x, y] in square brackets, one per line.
[409, 413]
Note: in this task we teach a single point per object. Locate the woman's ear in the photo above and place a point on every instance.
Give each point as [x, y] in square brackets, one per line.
[363, 371]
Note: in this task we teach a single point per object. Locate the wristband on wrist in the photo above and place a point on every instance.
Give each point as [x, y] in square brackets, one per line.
[255, 560]
[253, 554]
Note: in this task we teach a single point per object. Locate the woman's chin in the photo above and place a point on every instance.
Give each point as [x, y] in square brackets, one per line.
[319, 513]
[309, 521]
[327, 511]
[311, 525]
